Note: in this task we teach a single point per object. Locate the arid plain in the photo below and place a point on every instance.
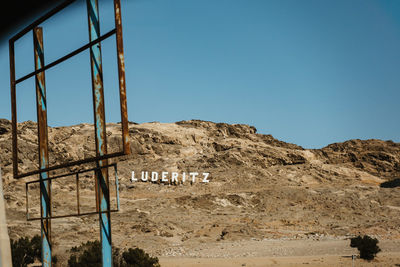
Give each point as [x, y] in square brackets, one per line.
[268, 203]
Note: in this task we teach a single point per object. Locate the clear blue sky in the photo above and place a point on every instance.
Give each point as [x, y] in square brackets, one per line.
[307, 72]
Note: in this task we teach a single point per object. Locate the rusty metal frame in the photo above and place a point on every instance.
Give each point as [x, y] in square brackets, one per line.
[76, 174]
[45, 185]
[122, 88]
[102, 191]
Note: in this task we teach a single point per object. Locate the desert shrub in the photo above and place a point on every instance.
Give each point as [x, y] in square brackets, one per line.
[391, 184]
[138, 258]
[89, 254]
[24, 251]
[366, 245]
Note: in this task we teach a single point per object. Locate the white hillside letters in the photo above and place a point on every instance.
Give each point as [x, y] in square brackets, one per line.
[170, 177]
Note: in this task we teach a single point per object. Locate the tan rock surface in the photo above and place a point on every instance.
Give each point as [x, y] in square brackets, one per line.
[260, 188]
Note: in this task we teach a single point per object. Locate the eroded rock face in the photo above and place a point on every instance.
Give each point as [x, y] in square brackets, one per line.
[377, 157]
[259, 187]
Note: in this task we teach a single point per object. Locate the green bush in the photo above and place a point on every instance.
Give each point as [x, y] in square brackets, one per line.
[25, 251]
[89, 254]
[366, 245]
[138, 258]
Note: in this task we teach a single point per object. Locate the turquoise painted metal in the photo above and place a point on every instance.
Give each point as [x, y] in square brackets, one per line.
[94, 18]
[102, 181]
[45, 185]
[102, 191]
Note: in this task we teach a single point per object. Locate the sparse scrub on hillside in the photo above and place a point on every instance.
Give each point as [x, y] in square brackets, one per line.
[89, 255]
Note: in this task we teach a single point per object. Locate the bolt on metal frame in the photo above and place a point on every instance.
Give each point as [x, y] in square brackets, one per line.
[102, 156]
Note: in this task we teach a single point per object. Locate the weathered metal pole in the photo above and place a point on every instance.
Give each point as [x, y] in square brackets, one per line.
[13, 109]
[102, 183]
[45, 186]
[121, 77]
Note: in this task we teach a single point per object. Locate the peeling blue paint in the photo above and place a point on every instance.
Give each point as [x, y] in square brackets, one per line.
[99, 116]
[42, 115]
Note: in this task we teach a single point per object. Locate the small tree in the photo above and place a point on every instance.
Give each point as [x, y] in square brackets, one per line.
[366, 245]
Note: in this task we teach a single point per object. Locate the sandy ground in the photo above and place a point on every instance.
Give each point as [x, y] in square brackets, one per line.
[286, 253]
[386, 259]
[267, 201]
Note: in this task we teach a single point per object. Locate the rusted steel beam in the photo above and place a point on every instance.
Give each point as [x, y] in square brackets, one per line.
[73, 173]
[121, 78]
[13, 109]
[116, 185]
[41, 19]
[77, 193]
[27, 201]
[70, 164]
[72, 215]
[62, 59]
[45, 186]
[102, 181]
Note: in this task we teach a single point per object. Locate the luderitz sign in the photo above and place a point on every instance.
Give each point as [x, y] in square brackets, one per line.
[171, 177]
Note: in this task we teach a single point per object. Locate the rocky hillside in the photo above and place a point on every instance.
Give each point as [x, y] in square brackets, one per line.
[259, 187]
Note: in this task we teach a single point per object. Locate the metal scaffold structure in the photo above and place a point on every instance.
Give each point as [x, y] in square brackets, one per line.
[101, 171]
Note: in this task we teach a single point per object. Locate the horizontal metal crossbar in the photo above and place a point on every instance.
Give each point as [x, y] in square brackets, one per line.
[72, 173]
[71, 215]
[76, 174]
[62, 59]
[41, 20]
[70, 164]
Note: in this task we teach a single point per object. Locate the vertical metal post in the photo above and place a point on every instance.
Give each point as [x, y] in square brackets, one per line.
[13, 108]
[27, 201]
[121, 77]
[77, 193]
[116, 186]
[102, 183]
[45, 186]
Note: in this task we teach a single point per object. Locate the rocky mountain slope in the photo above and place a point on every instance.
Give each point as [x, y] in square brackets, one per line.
[259, 187]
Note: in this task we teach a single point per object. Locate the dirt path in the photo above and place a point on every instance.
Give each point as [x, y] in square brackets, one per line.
[283, 253]
[385, 259]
